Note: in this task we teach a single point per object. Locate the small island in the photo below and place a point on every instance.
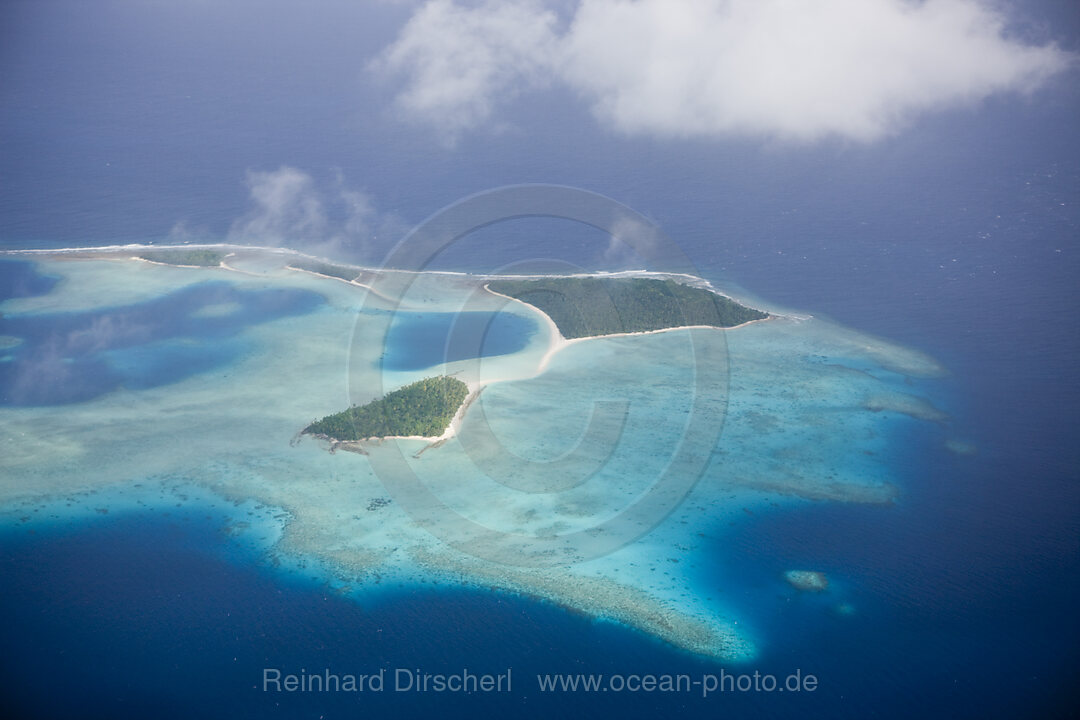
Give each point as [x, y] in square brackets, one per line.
[319, 267]
[588, 306]
[423, 409]
[195, 257]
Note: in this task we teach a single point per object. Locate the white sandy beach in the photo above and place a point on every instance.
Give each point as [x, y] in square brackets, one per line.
[559, 343]
[819, 435]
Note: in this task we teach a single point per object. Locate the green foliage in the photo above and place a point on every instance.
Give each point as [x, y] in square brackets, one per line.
[585, 307]
[324, 268]
[423, 408]
[195, 256]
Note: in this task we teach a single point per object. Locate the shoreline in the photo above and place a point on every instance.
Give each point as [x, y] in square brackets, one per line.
[559, 343]
[556, 344]
[475, 388]
[102, 250]
[220, 265]
[352, 282]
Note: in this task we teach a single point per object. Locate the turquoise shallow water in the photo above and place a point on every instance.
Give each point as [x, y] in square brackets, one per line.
[76, 356]
[820, 426]
[565, 461]
[418, 341]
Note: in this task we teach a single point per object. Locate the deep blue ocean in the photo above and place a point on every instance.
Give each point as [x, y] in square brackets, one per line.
[958, 237]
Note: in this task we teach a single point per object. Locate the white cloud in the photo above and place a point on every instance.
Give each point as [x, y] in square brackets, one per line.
[289, 208]
[461, 61]
[792, 69]
[285, 207]
[632, 245]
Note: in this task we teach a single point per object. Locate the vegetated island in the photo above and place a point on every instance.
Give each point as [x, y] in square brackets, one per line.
[588, 306]
[580, 307]
[423, 409]
[199, 257]
[351, 274]
[342, 272]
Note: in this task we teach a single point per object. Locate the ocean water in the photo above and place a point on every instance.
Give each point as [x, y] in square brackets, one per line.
[417, 341]
[910, 603]
[957, 239]
[19, 279]
[76, 356]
